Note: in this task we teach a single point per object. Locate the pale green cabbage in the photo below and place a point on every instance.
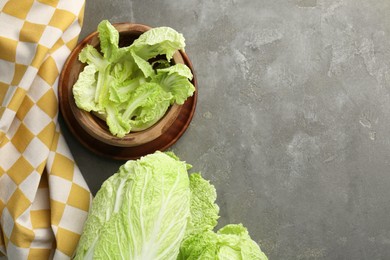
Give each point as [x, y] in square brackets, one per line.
[141, 212]
[112, 81]
[153, 209]
[204, 210]
[232, 242]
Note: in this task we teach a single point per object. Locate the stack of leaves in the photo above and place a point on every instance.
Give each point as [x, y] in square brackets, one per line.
[132, 87]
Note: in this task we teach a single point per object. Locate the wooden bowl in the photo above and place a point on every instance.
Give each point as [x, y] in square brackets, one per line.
[93, 132]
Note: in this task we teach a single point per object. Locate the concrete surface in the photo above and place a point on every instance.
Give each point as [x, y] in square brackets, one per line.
[293, 117]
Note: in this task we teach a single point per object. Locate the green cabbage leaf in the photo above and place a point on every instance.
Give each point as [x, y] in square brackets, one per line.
[204, 210]
[175, 80]
[158, 41]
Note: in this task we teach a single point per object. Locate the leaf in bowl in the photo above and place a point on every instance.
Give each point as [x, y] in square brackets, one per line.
[124, 86]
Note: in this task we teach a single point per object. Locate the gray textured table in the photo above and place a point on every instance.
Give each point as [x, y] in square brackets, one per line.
[293, 117]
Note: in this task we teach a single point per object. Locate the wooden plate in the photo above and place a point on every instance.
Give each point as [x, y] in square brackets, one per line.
[167, 138]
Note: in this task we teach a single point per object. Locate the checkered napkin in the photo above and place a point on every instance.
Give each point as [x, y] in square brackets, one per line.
[44, 199]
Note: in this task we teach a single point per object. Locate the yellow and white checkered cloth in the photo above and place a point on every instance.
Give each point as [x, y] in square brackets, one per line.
[44, 199]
